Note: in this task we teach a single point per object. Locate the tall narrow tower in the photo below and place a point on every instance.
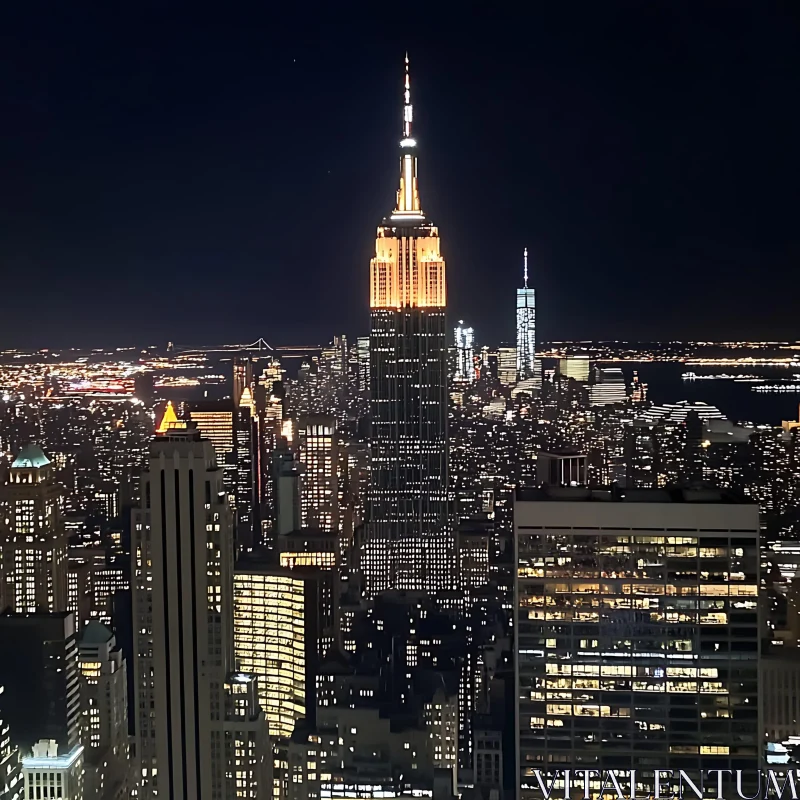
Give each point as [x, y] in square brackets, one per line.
[182, 597]
[526, 327]
[408, 532]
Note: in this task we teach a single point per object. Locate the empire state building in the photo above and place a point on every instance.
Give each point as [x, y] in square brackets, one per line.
[409, 537]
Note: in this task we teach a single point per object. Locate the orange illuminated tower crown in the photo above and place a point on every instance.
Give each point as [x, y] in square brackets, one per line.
[169, 421]
[408, 268]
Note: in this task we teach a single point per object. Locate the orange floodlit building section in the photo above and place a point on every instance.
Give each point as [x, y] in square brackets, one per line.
[408, 269]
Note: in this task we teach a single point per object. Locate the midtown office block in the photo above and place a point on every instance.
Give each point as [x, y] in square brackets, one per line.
[183, 620]
[638, 632]
[275, 639]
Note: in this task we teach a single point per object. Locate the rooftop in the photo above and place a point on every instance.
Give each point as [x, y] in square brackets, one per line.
[95, 633]
[309, 533]
[30, 457]
[616, 494]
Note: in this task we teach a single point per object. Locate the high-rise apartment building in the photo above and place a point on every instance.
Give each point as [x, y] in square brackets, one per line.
[465, 353]
[319, 454]
[33, 544]
[104, 713]
[183, 602]
[409, 534]
[638, 637]
[526, 327]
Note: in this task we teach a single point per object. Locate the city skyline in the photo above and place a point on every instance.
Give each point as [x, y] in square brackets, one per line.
[437, 561]
[167, 169]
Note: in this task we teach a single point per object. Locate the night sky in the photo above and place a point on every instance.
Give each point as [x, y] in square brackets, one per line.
[213, 175]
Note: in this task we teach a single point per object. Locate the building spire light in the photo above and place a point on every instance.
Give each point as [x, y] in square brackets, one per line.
[408, 109]
[408, 206]
[525, 271]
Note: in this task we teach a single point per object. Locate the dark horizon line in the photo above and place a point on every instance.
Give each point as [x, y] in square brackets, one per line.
[222, 347]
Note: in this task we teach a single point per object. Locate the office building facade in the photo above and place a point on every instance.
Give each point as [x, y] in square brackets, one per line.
[229, 428]
[319, 453]
[270, 640]
[465, 353]
[39, 672]
[33, 543]
[507, 365]
[638, 632]
[47, 772]
[104, 714]
[182, 593]
[11, 781]
[608, 388]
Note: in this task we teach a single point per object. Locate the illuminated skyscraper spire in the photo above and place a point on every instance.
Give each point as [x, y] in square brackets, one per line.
[408, 194]
[525, 271]
[526, 327]
[169, 420]
[408, 109]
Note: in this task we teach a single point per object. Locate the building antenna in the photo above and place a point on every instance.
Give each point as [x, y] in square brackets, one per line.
[525, 272]
[407, 107]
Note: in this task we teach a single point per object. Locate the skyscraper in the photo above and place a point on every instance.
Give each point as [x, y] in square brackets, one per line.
[526, 327]
[638, 633]
[33, 545]
[275, 638]
[39, 671]
[229, 427]
[216, 422]
[319, 454]
[409, 541]
[362, 346]
[11, 783]
[608, 388]
[507, 365]
[183, 615]
[104, 701]
[287, 475]
[465, 342]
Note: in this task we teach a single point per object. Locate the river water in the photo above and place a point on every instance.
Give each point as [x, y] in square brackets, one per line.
[736, 400]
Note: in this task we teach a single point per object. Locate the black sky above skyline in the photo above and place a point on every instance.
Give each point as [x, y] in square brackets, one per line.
[216, 175]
